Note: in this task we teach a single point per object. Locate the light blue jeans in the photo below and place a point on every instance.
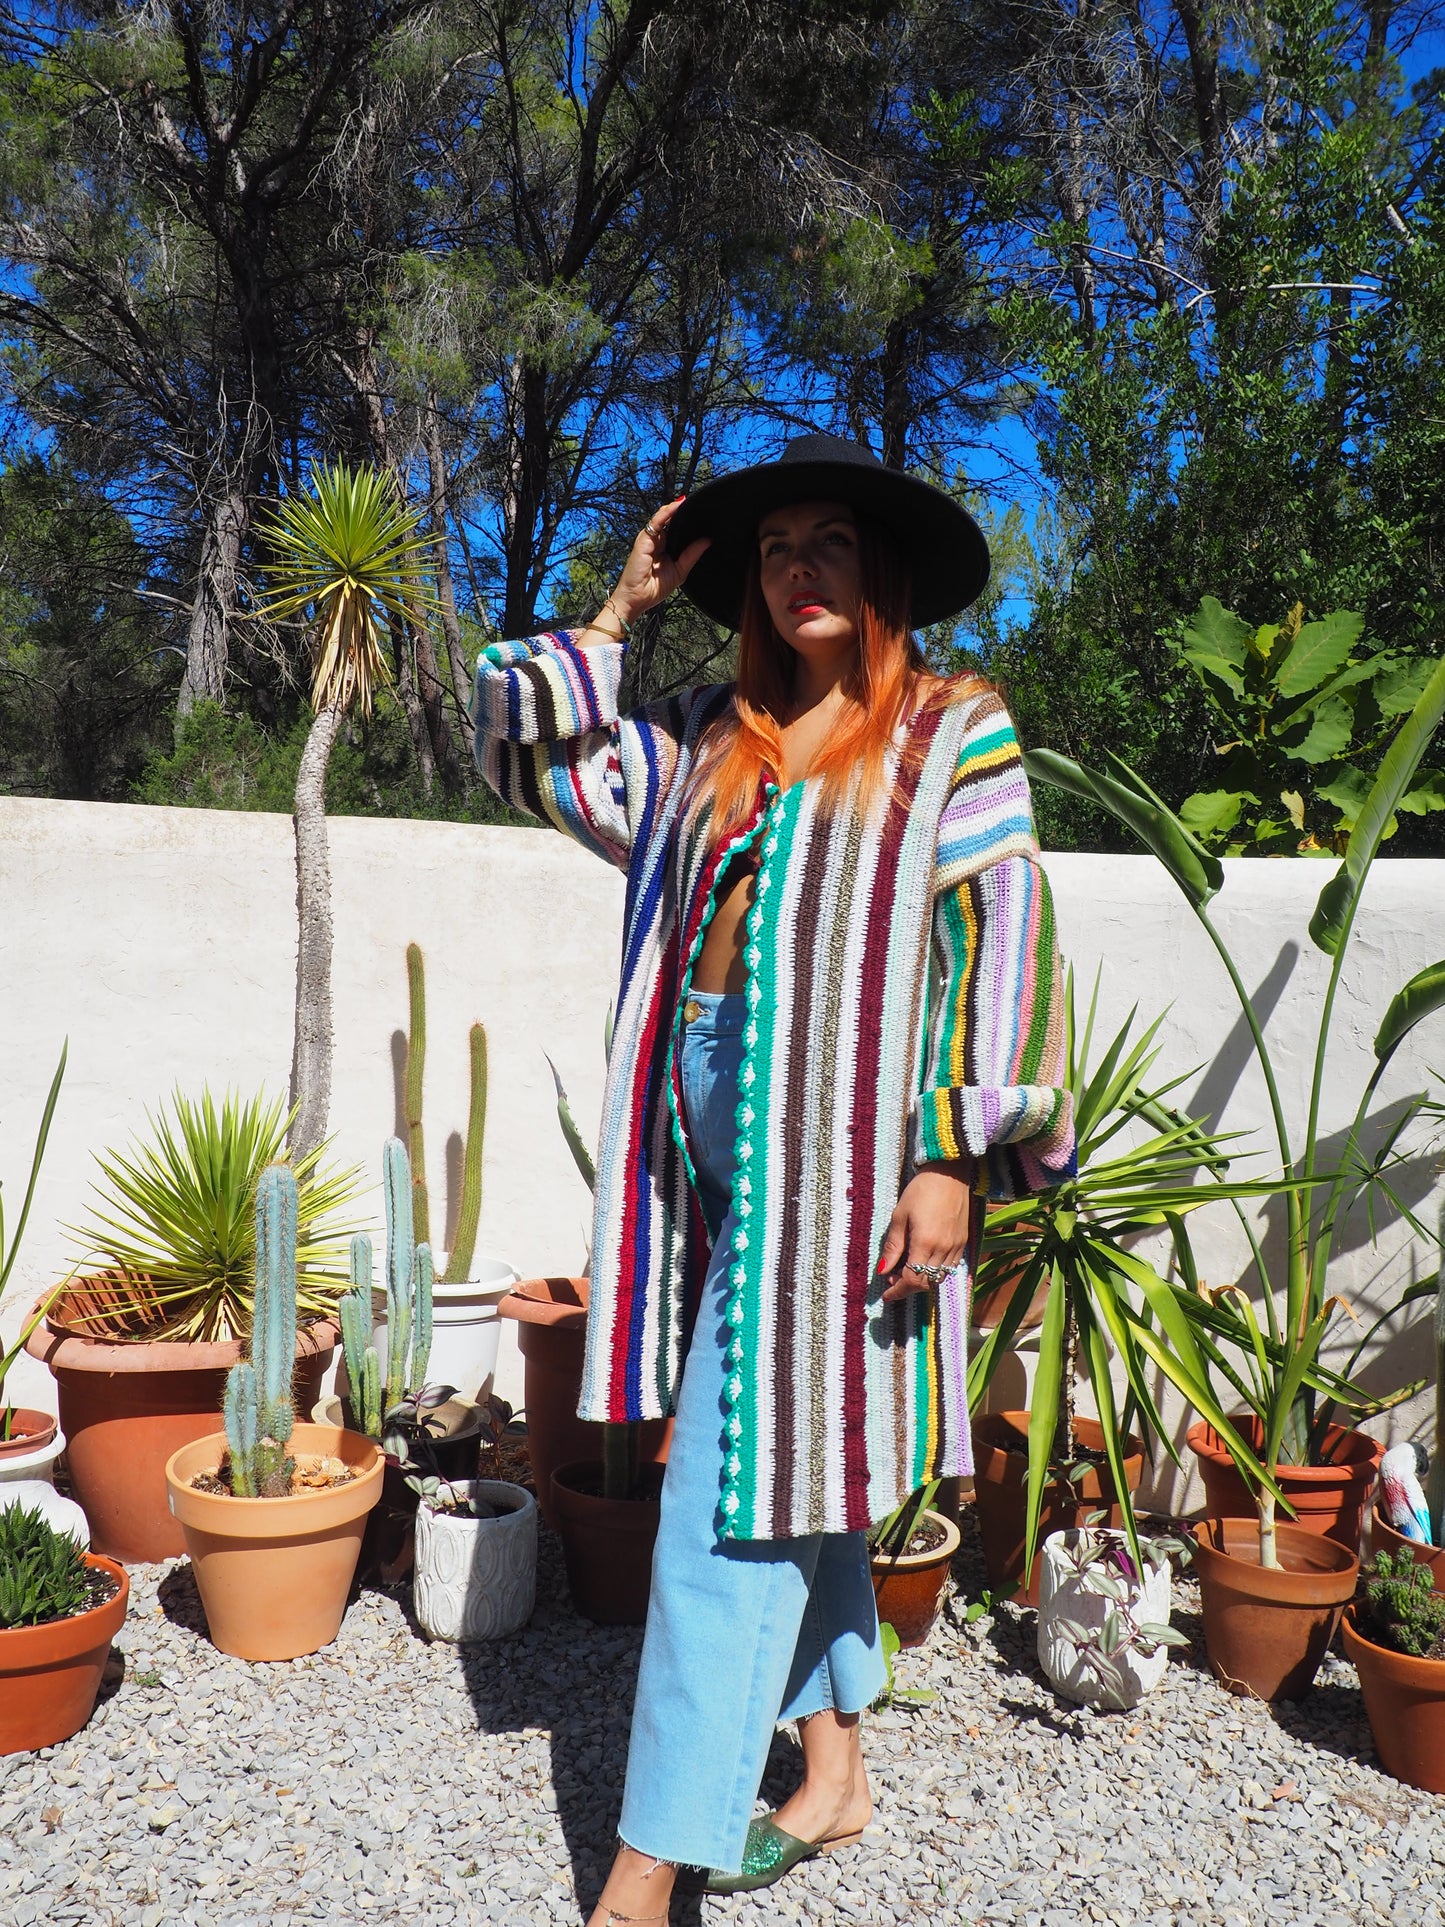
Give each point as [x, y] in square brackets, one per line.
[740, 1634]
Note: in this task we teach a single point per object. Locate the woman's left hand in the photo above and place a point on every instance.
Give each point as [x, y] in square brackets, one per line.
[929, 1226]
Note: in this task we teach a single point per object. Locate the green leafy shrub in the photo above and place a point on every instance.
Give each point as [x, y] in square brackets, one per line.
[1401, 1608]
[43, 1574]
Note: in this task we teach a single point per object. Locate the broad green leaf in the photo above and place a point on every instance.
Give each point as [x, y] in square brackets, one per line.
[1319, 650]
[1199, 874]
[1373, 668]
[1425, 794]
[1420, 998]
[1329, 733]
[1347, 792]
[1218, 643]
[1397, 691]
[1209, 812]
[1335, 910]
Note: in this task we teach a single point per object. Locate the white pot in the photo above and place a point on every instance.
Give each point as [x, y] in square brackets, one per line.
[1074, 1665]
[476, 1578]
[466, 1329]
[63, 1515]
[39, 1464]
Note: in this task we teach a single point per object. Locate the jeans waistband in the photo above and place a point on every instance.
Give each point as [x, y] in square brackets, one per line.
[721, 1012]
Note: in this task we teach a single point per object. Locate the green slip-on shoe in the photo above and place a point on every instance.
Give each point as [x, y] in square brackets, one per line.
[770, 1853]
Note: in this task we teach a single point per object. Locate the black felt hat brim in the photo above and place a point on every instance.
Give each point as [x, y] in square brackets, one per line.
[942, 546]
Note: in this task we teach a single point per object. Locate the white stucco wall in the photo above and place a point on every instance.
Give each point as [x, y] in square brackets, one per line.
[162, 943]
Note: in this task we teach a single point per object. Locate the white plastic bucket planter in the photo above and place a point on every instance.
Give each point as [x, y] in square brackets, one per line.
[476, 1578]
[466, 1329]
[39, 1464]
[39, 1495]
[1072, 1613]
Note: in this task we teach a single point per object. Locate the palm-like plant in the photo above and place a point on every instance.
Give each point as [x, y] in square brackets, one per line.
[1273, 1365]
[176, 1216]
[345, 560]
[1105, 1300]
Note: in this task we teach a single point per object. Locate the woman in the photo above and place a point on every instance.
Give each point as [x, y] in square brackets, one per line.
[837, 1025]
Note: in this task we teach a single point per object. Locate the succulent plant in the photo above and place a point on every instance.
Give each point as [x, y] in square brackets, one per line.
[464, 1240]
[43, 1575]
[259, 1411]
[401, 1415]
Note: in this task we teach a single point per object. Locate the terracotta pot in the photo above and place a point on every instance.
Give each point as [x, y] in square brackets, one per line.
[30, 1431]
[1266, 1631]
[1000, 1452]
[607, 1543]
[273, 1574]
[908, 1589]
[1329, 1500]
[988, 1307]
[50, 1675]
[551, 1318]
[1405, 1700]
[128, 1405]
[1384, 1538]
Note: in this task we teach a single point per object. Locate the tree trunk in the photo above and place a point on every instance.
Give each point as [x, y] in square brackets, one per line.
[209, 635]
[311, 1048]
[446, 591]
[411, 702]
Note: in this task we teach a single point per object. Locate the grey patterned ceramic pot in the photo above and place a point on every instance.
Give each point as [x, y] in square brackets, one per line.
[476, 1578]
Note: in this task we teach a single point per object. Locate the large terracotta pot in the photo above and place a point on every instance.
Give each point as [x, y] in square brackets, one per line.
[1329, 1500]
[908, 1589]
[606, 1543]
[50, 1675]
[273, 1574]
[1384, 1538]
[1000, 1454]
[551, 1319]
[1405, 1699]
[126, 1405]
[1267, 1631]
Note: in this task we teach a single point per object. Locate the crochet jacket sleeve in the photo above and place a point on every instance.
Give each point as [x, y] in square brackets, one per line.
[550, 741]
[994, 1073]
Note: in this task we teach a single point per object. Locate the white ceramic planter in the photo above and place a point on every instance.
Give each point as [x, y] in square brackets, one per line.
[476, 1578]
[63, 1515]
[39, 1464]
[466, 1329]
[1075, 1669]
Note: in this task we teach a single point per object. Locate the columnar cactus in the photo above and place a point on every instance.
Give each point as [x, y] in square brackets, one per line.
[363, 1368]
[259, 1411]
[464, 1243]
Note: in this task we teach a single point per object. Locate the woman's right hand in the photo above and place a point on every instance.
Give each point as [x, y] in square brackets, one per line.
[651, 575]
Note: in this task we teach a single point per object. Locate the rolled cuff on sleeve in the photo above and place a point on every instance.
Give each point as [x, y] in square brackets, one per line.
[1022, 1137]
[547, 688]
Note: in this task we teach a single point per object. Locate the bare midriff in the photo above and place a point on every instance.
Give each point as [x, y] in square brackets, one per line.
[721, 967]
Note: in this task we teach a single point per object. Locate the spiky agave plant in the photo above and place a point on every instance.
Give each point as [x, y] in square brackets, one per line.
[345, 559]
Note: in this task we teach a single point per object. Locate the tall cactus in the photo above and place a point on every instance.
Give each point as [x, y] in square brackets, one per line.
[1435, 1482]
[363, 1368]
[400, 1265]
[259, 1411]
[415, 1071]
[464, 1243]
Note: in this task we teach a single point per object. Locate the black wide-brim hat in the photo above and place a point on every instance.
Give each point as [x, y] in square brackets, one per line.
[943, 548]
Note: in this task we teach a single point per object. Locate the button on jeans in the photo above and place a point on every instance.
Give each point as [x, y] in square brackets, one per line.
[740, 1634]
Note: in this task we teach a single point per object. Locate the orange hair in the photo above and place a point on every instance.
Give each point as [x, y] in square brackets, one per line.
[881, 690]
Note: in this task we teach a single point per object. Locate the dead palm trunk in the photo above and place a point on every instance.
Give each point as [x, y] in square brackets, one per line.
[311, 1046]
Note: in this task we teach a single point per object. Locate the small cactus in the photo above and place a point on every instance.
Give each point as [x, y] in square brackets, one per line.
[363, 1370]
[259, 1411]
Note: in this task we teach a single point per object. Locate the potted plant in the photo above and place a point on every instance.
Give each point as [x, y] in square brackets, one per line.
[1410, 1509]
[606, 1512]
[466, 1290]
[60, 1608]
[476, 1558]
[1042, 1470]
[29, 1439]
[140, 1349]
[1104, 1632]
[422, 1428]
[273, 1511]
[909, 1554]
[1394, 1636]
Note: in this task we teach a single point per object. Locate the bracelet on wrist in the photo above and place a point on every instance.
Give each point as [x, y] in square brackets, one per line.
[625, 624]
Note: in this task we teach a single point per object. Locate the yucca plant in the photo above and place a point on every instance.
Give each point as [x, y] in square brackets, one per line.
[1105, 1301]
[345, 560]
[1271, 1360]
[176, 1214]
[9, 1251]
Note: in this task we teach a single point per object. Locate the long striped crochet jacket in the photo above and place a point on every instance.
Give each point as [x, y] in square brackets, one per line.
[904, 1006]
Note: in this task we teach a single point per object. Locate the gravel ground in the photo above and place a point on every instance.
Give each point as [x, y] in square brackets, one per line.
[386, 1780]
